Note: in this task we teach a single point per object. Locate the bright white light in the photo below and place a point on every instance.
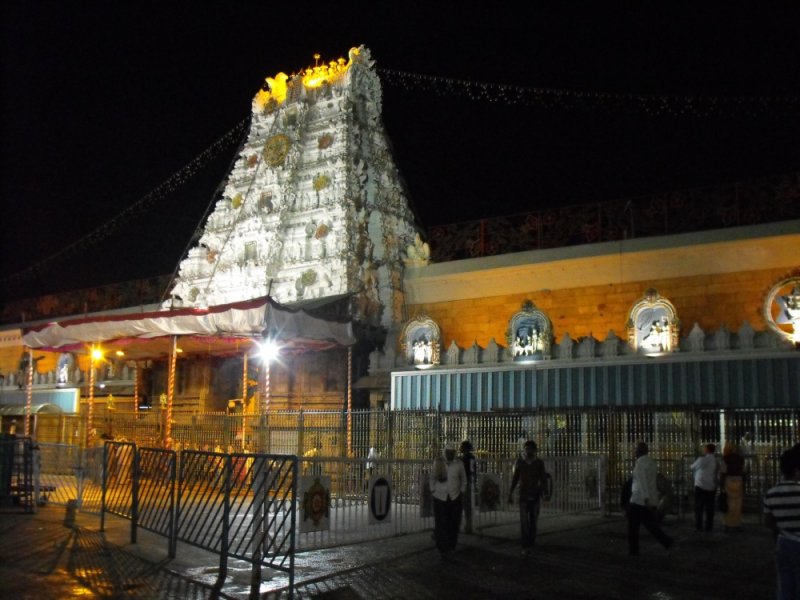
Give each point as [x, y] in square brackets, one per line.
[268, 350]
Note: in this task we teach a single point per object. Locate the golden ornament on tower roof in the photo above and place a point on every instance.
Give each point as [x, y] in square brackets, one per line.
[311, 77]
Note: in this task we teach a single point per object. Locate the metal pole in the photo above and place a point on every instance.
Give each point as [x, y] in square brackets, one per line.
[349, 401]
[265, 399]
[244, 401]
[170, 392]
[28, 393]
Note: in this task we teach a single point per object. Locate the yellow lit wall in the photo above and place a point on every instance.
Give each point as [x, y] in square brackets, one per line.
[710, 300]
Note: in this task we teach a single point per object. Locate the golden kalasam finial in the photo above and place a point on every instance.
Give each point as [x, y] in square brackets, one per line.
[311, 77]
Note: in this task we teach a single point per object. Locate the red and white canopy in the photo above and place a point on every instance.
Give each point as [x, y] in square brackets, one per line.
[229, 328]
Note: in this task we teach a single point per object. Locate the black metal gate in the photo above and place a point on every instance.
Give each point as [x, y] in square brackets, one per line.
[235, 505]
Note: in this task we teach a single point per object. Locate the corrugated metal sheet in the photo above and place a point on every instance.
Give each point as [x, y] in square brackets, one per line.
[746, 382]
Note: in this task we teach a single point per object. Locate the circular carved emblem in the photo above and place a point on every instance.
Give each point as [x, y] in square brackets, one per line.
[276, 149]
[782, 309]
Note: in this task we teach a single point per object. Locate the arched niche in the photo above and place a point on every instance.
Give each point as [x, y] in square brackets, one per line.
[65, 369]
[530, 334]
[653, 325]
[421, 341]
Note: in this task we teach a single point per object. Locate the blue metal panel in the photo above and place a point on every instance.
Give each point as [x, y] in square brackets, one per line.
[683, 376]
[734, 382]
[752, 393]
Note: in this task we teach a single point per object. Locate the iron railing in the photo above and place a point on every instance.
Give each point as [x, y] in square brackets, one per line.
[682, 211]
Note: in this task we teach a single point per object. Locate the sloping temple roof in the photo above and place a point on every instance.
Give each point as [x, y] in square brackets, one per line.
[223, 329]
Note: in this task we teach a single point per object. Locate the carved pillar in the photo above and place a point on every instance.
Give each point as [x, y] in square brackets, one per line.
[244, 400]
[28, 393]
[136, 390]
[173, 352]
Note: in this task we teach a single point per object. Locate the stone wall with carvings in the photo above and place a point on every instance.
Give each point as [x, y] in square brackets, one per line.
[709, 300]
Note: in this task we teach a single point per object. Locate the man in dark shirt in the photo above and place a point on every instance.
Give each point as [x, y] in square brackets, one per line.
[529, 472]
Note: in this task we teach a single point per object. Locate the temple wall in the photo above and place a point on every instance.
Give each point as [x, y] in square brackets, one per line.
[710, 300]
[713, 278]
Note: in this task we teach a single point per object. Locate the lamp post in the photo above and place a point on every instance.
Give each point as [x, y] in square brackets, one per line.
[268, 350]
[244, 401]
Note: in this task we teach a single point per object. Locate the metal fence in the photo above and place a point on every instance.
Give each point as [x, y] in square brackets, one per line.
[18, 478]
[674, 436]
[578, 486]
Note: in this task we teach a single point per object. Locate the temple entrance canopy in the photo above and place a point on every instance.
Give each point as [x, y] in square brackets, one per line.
[226, 329]
[247, 328]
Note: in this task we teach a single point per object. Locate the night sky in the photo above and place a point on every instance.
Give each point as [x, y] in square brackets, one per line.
[102, 102]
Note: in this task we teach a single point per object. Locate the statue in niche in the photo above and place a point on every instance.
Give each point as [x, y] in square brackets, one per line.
[529, 334]
[528, 341]
[422, 351]
[64, 368]
[657, 337]
[420, 341]
[653, 324]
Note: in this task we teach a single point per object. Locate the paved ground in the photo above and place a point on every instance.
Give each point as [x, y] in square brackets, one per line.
[576, 558]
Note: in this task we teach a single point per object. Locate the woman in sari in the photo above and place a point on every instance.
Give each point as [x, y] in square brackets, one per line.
[732, 484]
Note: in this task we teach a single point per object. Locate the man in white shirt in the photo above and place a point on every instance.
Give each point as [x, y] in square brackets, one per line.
[706, 472]
[644, 501]
[448, 483]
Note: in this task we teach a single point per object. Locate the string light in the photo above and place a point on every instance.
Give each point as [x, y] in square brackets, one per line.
[137, 209]
[652, 105]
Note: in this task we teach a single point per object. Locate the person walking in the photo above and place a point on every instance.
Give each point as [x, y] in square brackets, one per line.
[644, 501]
[705, 470]
[782, 513]
[448, 483]
[732, 485]
[530, 473]
[470, 468]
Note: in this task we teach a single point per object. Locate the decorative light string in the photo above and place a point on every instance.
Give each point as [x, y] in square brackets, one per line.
[652, 105]
[135, 210]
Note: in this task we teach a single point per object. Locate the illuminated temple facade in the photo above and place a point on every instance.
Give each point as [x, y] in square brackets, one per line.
[314, 206]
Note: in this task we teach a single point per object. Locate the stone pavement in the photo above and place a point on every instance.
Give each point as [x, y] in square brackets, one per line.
[577, 557]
